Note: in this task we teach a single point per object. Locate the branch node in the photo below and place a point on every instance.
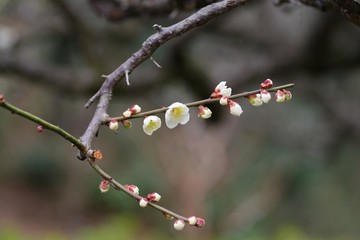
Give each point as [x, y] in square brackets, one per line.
[157, 27]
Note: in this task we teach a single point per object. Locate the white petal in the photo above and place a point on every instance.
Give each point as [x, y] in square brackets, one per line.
[185, 119]
[221, 85]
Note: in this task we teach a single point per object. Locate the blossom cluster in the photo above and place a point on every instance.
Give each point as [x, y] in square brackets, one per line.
[178, 113]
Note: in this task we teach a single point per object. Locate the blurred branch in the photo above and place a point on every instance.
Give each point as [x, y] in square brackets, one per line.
[163, 35]
[115, 10]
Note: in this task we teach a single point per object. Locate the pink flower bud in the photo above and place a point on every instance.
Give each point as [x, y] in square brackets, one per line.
[154, 197]
[113, 125]
[143, 202]
[265, 96]
[224, 101]
[192, 220]
[255, 100]
[179, 224]
[132, 188]
[280, 96]
[200, 222]
[40, 129]
[204, 112]
[135, 109]
[126, 123]
[104, 186]
[127, 113]
[235, 108]
[2, 98]
[266, 84]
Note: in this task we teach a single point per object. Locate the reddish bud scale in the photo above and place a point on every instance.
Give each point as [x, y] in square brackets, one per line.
[2, 98]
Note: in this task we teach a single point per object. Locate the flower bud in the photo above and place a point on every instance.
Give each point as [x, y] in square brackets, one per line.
[132, 188]
[192, 220]
[104, 186]
[126, 123]
[280, 96]
[135, 109]
[113, 125]
[288, 95]
[255, 100]
[143, 202]
[153, 197]
[179, 224]
[200, 222]
[167, 216]
[40, 129]
[235, 108]
[224, 101]
[266, 84]
[127, 113]
[265, 96]
[204, 112]
[2, 98]
[97, 154]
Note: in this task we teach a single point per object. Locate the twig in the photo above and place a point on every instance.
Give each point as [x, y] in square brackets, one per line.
[201, 102]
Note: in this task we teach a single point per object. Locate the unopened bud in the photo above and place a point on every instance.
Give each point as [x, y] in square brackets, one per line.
[127, 113]
[204, 112]
[224, 101]
[192, 220]
[235, 108]
[265, 96]
[2, 98]
[135, 109]
[266, 84]
[255, 100]
[143, 202]
[113, 125]
[97, 154]
[40, 129]
[154, 197]
[104, 186]
[288, 95]
[132, 188]
[200, 222]
[179, 224]
[280, 96]
[126, 123]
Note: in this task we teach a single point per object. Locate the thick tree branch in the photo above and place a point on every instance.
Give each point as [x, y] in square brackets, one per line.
[163, 35]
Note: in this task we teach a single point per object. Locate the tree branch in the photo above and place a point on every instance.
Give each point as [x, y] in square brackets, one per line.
[163, 35]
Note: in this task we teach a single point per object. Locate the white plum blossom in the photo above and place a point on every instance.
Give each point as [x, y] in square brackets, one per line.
[135, 109]
[280, 96]
[221, 90]
[192, 220]
[179, 224]
[113, 125]
[127, 113]
[151, 124]
[235, 108]
[143, 202]
[176, 113]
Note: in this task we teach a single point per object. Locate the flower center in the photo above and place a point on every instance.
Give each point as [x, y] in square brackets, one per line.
[176, 112]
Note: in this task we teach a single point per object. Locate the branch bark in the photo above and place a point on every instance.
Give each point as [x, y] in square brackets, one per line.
[163, 35]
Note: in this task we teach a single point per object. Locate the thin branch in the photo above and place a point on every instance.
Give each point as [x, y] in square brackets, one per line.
[43, 123]
[201, 102]
[148, 48]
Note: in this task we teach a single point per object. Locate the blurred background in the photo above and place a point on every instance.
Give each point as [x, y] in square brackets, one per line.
[286, 171]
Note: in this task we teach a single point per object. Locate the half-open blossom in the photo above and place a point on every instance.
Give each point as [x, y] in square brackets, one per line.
[255, 100]
[153, 197]
[176, 113]
[204, 112]
[104, 186]
[179, 224]
[235, 108]
[151, 124]
[266, 84]
[221, 90]
[135, 109]
[265, 96]
[143, 202]
[132, 188]
[280, 96]
[113, 125]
